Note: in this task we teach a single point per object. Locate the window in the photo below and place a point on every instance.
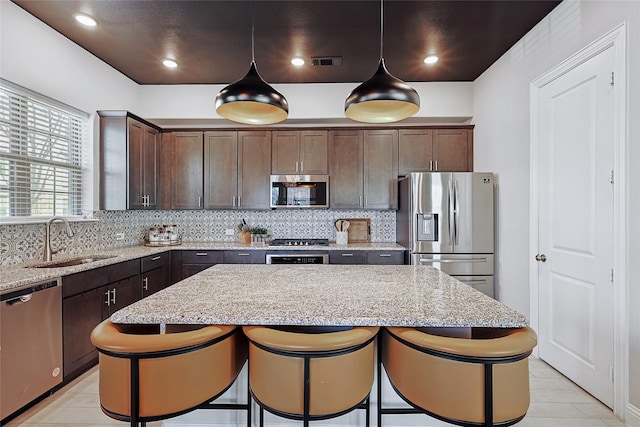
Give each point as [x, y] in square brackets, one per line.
[40, 155]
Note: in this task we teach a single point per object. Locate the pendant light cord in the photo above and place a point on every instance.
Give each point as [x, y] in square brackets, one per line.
[381, 26]
[253, 33]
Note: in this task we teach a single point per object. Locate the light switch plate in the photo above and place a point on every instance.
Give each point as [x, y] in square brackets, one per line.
[229, 231]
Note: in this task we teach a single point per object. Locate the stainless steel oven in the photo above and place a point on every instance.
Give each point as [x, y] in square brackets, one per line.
[298, 258]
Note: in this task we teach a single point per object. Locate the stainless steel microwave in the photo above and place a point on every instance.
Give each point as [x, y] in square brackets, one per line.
[299, 191]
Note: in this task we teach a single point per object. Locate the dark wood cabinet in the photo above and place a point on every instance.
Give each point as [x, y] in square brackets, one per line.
[155, 273]
[129, 162]
[435, 150]
[244, 257]
[345, 169]
[88, 298]
[183, 179]
[385, 257]
[366, 257]
[380, 169]
[195, 261]
[363, 168]
[237, 168]
[300, 152]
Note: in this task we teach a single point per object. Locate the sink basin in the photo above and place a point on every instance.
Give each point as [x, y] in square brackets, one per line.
[72, 262]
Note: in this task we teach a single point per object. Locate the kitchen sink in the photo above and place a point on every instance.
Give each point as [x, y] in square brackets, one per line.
[72, 262]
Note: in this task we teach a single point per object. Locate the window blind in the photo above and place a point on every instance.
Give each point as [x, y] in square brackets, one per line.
[40, 155]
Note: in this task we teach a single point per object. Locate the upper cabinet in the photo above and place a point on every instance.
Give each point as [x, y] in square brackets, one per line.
[183, 174]
[435, 150]
[237, 167]
[129, 162]
[299, 152]
[363, 169]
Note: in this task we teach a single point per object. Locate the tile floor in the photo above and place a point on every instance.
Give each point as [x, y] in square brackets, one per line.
[555, 402]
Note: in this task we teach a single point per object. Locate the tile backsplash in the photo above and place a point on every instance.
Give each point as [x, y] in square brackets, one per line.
[25, 242]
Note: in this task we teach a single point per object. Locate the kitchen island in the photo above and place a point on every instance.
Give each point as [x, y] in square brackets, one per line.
[322, 295]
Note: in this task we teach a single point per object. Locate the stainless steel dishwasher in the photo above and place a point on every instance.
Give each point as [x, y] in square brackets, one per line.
[30, 343]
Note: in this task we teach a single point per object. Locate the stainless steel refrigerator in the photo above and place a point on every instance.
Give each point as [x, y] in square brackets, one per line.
[446, 220]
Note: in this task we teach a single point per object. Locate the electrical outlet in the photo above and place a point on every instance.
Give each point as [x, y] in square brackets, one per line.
[119, 236]
[229, 231]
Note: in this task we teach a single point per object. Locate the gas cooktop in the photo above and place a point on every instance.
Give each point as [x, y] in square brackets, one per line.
[299, 242]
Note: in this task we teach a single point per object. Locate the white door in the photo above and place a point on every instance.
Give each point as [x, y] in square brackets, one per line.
[575, 161]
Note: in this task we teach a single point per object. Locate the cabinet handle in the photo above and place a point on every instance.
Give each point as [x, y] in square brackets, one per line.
[347, 254]
[201, 254]
[233, 203]
[155, 258]
[301, 166]
[108, 301]
[199, 201]
[113, 297]
[243, 254]
[385, 255]
[296, 166]
[436, 162]
[431, 165]
[145, 283]
[239, 201]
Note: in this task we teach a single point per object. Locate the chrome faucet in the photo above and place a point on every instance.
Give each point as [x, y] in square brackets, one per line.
[48, 251]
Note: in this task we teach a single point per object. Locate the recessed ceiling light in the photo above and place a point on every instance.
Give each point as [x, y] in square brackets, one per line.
[431, 59]
[297, 61]
[85, 20]
[169, 63]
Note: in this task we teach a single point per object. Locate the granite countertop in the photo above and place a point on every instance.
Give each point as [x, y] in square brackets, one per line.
[322, 295]
[22, 275]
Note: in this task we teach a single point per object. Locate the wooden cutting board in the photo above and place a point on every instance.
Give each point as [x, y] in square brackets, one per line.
[359, 230]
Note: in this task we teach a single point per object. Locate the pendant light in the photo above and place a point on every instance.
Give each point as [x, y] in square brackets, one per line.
[383, 98]
[251, 100]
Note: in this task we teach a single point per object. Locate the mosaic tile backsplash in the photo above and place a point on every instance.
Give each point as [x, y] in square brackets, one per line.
[25, 242]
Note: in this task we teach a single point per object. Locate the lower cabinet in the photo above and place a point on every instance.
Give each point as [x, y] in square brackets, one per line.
[88, 298]
[366, 257]
[195, 261]
[155, 272]
[245, 257]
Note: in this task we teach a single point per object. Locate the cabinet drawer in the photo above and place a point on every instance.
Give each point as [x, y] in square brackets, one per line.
[347, 257]
[245, 257]
[85, 280]
[385, 257]
[152, 262]
[202, 257]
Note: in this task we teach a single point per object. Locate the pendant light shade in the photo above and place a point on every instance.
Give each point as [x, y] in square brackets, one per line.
[252, 101]
[382, 99]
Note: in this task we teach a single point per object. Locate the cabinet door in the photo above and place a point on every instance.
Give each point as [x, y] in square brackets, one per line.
[347, 257]
[453, 150]
[285, 156]
[313, 152]
[415, 151]
[136, 136]
[154, 281]
[254, 169]
[245, 257]
[380, 169]
[221, 169]
[150, 166]
[143, 165]
[80, 314]
[345, 169]
[187, 173]
[120, 294]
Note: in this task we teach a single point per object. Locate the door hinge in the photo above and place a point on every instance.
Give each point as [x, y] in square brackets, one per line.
[611, 176]
[611, 275]
[612, 79]
[611, 377]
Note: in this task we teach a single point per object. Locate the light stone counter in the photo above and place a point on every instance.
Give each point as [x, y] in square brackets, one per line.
[23, 275]
[321, 295]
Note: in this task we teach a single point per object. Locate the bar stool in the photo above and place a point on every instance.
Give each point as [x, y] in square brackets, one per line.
[481, 380]
[310, 373]
[147, 376]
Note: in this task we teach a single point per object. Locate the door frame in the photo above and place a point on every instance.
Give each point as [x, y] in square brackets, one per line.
[616, 39]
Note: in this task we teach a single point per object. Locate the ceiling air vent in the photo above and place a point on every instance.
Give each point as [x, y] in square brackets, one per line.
[326, 60]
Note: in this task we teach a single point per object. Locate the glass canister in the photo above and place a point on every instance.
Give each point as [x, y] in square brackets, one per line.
[172, 231]
[154, 234]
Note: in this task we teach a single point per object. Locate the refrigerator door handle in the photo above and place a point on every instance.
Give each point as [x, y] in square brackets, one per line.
[456, 214]
[452, 261]
[450, 215]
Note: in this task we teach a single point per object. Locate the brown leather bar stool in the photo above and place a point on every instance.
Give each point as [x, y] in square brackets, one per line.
[482, 380]
[148, 376]
[311, 374]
